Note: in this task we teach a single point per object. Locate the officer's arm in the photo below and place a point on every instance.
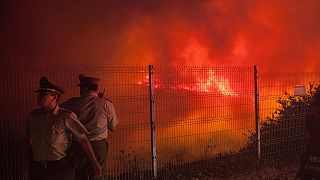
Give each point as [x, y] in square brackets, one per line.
[79, 133]
[85, 143]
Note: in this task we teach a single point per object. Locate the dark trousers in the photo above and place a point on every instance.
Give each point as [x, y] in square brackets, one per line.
[51, 170]
[84, 171]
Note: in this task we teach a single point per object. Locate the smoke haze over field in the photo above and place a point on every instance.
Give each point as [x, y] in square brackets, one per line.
[275, 35]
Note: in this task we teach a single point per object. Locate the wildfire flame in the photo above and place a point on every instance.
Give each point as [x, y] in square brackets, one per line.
[210, 83]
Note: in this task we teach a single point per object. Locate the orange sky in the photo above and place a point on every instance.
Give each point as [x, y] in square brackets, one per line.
[275, 35]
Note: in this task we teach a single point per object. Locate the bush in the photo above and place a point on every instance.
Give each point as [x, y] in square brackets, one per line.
[282, 133]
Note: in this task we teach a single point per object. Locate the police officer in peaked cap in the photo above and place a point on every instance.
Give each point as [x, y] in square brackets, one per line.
[98, 116]
[50, 130]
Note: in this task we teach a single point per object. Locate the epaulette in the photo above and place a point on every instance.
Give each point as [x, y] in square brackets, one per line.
[108, 100]
[65, 110]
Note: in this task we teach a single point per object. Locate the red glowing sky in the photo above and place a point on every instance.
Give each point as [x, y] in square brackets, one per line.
[275, 35]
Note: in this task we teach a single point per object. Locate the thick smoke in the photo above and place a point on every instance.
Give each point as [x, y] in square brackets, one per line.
[275, 35]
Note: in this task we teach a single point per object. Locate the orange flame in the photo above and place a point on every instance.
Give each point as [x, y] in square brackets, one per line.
[211, 83]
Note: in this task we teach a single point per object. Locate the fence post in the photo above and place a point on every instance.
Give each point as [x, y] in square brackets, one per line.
[152, 122]
[256, 109]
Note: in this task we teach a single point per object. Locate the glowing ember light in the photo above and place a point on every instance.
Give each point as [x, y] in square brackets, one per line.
[210, 83]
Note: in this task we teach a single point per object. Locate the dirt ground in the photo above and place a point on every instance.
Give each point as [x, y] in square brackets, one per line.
[268, 173]
[286, 172]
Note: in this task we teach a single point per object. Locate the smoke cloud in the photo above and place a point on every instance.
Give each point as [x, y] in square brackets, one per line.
[275, 35]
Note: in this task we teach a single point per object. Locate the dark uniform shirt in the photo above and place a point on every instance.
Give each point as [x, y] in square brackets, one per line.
[52, 133]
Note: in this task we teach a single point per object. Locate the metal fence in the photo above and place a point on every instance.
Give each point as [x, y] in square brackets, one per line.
[197, 113]
[287, 136]
[201, 112]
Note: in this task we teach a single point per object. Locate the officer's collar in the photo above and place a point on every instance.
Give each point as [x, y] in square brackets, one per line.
[56, 110]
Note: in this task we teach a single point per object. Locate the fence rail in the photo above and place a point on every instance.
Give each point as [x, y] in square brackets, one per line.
[198, 113]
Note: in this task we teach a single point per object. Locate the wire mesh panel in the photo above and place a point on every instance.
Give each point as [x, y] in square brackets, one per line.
[129, 152]
[202, 112]
[282, 114]
[130, 155]
[12, 107]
